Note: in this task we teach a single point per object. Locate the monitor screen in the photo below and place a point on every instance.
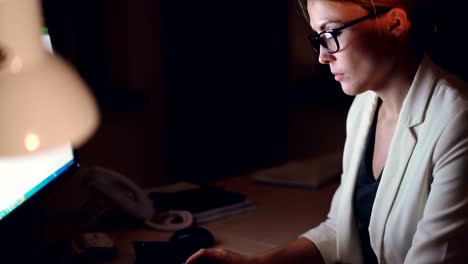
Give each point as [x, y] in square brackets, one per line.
[22, 177]
[46, 40]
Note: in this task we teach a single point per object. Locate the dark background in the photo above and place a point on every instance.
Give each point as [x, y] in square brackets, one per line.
[198, 90]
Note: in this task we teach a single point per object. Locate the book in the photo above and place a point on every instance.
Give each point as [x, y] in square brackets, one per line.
[308, 173]
[206, 203]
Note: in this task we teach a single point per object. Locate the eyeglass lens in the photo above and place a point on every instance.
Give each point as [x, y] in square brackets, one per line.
[327, 40]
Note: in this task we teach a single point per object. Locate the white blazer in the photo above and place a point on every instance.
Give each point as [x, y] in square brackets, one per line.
[420, 212]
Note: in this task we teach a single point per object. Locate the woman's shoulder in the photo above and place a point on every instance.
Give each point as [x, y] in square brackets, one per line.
[434, 94]
[452, 84]
[447, 105]
[450, 93]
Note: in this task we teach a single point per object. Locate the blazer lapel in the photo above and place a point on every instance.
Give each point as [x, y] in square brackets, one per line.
[402, 146]
[347, 236]
[403, 142]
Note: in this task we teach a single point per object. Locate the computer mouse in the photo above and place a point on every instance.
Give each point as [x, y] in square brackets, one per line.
[187, 241]
[193, 237]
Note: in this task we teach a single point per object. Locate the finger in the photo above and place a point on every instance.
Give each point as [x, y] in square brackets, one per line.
[197, 256]
[208, 256]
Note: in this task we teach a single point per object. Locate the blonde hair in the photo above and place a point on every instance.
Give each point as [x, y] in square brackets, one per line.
[410, 6]
[420, 13]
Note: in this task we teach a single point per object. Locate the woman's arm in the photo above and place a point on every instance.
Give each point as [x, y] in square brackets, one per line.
[300, 251]
[442, 233]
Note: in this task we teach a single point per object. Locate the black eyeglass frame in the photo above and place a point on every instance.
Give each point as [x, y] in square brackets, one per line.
[314, 38]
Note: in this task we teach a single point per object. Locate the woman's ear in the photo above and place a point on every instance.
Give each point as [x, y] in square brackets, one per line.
[398, 22]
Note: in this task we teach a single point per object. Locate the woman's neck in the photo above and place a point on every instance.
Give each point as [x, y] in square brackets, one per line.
[397, 86]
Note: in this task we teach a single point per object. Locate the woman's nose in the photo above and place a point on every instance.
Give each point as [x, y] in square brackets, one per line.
[324, 57]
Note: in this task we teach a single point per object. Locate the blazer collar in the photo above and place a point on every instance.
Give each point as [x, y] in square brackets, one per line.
[415, 104]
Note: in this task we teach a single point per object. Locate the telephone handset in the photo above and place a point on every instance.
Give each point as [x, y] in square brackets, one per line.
[123, 194]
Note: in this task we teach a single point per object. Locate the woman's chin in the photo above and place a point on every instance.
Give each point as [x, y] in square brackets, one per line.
[350, 90]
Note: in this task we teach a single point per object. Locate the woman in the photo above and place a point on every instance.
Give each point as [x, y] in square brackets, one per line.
[403, 196]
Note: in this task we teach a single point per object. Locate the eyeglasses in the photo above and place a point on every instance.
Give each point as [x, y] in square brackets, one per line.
[328, 39]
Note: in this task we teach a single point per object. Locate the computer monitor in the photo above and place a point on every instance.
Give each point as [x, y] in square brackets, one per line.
[24, 182]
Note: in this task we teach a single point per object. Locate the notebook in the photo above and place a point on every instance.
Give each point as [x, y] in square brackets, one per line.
[205, 202]
[311, 173]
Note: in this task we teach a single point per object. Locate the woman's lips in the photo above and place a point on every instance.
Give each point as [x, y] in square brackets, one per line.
[338, 76]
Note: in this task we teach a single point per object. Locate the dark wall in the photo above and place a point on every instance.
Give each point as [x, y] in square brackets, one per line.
[116, 47]
[225, 83]
[203, 82]
[78, 32]
[448, 45]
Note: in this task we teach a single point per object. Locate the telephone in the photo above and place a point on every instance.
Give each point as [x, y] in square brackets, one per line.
[112, 190]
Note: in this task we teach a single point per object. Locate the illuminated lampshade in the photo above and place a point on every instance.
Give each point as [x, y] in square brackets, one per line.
[43, 101]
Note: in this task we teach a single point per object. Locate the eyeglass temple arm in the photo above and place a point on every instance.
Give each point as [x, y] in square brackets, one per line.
[359, 20]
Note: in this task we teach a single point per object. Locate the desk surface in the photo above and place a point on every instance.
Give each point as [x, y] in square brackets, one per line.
[280, 216]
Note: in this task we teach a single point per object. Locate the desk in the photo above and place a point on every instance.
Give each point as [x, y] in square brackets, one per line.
[280, 216]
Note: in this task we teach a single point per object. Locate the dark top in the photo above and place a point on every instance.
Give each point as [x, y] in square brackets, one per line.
[364, 195]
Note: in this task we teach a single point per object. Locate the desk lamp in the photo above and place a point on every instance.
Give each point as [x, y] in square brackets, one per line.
[43, 101]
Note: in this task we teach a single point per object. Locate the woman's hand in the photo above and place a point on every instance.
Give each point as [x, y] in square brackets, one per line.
[300, 251]
[218, 256]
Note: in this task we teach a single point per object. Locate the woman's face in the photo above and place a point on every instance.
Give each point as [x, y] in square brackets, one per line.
[362, 63]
